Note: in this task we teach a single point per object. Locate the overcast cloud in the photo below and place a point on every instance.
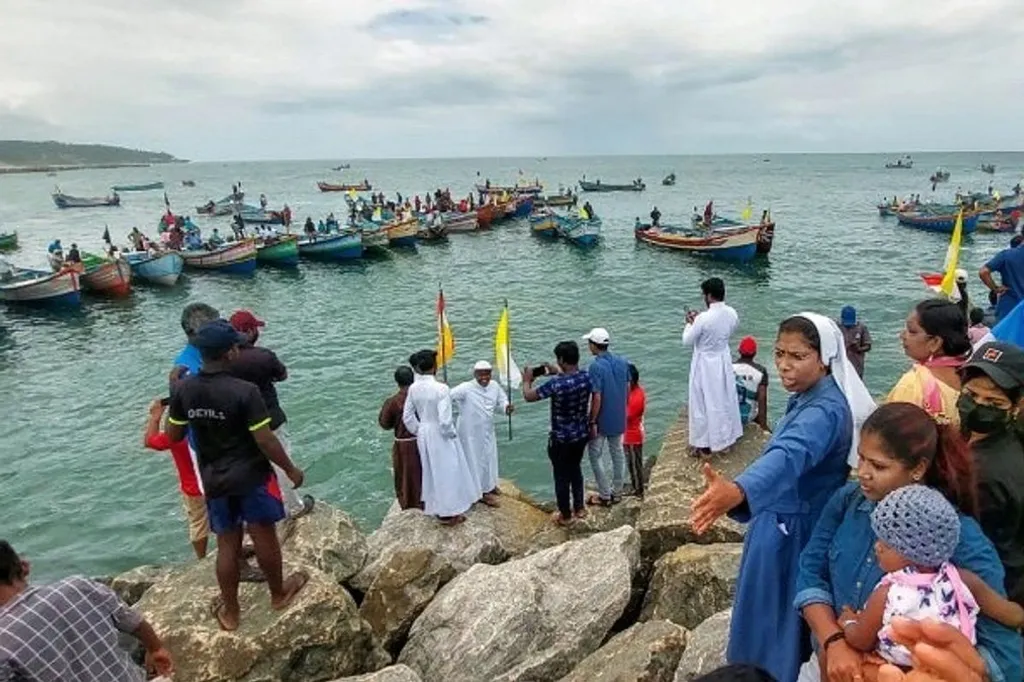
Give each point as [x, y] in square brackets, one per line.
[257, 79]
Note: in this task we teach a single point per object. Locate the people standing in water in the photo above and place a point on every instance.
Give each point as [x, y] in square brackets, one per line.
[781, 494]
[856, 336]
[230, 425]
[405, 457]
[478, 400]
[449, 486]
[633, 439]
[713, 406]
[751, 385]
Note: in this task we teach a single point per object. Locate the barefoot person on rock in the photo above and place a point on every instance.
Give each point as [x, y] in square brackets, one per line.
[230, 425]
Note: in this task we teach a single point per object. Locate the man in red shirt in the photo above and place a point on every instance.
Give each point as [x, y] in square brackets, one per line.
[191, 490]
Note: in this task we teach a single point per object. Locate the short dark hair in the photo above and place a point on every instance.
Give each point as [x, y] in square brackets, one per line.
[977, 315]
[195, 315]
[713, 287]
[424, 361]
[214, 354]
[568, 352]
[403, 376]
[11, 569]
[634, 374]
[737, 673]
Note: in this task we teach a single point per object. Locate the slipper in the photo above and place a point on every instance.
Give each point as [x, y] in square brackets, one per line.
[556, 518]
[216, 609]
[595, 500]
[293, 584]
[307, 506]
[581, 513]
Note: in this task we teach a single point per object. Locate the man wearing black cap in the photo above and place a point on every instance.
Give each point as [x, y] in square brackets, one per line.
[230, 425]
[989, 405]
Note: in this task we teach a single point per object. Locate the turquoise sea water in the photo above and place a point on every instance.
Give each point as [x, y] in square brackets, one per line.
[80, 494]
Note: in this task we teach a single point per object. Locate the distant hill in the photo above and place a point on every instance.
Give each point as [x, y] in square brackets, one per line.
[25, 153]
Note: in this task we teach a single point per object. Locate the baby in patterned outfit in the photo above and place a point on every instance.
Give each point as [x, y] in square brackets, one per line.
[918, 531]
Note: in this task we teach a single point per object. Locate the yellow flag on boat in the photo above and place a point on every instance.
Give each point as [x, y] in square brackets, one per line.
[508, 372]
[948, 287]
[748, 212]
[445, 341]
[352, 194]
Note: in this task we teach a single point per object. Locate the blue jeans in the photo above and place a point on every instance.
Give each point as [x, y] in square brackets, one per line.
[596, 450]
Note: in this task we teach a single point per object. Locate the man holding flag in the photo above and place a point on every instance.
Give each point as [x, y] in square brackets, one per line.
[478, 401]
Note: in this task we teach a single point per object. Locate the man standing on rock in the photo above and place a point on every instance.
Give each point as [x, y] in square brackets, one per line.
[405, 457]
[478, 401]
[609, 382]
[713, 406]
[231, 428]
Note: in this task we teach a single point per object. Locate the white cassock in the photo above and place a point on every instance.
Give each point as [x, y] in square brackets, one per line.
[713, 404]
[477, 407]
[449, 487]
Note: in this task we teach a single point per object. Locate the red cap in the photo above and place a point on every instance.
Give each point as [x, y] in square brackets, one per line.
[748, 346]
[245, 321]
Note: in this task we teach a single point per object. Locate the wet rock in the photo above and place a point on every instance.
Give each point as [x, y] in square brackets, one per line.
[693, 583]
[646, 652]
[705, 647]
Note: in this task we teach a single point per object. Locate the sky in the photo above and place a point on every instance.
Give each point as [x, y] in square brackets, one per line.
[327, 79]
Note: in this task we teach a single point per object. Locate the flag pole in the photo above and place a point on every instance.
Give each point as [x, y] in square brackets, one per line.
[440, 331]
[508, 366]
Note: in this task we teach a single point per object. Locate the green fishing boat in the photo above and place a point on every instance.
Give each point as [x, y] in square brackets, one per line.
[282, 251]
[8, 241]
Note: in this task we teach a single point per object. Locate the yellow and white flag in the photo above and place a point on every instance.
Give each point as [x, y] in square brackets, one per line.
[748, 211]
[508, 372]
[948, 286]
[445, 341]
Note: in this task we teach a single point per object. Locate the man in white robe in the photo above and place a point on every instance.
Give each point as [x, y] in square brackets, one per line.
[449, 485]
[713, 406]
[478, 401]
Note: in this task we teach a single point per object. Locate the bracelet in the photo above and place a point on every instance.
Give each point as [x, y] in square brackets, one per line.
[848, 623]
[832, 639]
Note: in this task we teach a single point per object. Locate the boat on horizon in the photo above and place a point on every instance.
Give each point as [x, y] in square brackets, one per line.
[363, 186]
[138, 188]
[905, 163]
[635, 186]
[62, 200]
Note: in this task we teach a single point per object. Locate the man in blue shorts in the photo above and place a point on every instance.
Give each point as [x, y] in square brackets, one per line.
[230, 427]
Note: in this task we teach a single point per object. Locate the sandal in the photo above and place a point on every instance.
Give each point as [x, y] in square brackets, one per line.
[595, 500]
[216, 610]
[556, 518]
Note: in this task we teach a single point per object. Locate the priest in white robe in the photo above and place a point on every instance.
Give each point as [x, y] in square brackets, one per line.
[478, 401]
[449, 485]
[713, 405]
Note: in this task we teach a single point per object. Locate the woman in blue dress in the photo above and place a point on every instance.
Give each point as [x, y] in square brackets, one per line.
[900, 444]
[782, 493]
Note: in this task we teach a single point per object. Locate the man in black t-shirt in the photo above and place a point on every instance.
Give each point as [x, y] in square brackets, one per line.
[230, 427]
[261, 366]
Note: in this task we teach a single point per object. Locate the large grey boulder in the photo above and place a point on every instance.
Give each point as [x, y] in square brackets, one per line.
[676, 481]
[534, 618]
[705, 648]
[693, 583]
[131, 585]
[327, 539]
[646, 652]
[394, 673]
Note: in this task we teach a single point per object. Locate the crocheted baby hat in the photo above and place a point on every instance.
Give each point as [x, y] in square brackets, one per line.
[919, 523]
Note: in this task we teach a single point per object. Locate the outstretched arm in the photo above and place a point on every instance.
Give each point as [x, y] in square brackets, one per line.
[992, 604]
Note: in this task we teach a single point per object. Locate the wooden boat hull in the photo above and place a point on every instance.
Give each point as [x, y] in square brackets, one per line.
[9, 241]
[460, 222]
[579, 232]
[282, 251]
[765, 235]
[373, 238]
[601, 187]
[544, 225]
[328, 187]
[109, 277]
[510, 189]
[138, 188]
[523, 207]
[262, 217]
[333, 247]
[68, 201]
[39, 288]
[402, 235]
[236, 259]
[554, 201]
[738, 246]
[937, 223]
[163, 269]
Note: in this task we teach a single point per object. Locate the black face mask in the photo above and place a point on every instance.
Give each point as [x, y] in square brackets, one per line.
[984, 419]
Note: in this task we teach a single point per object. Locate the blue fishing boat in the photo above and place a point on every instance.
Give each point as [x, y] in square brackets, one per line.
[138, 188]
[162, 268]
[578, 231]
[237, 258]
[739, 245]
[544, 224]
[333, 246]
[261, 217]
[937, 223]
[524, 206]
[22, 286]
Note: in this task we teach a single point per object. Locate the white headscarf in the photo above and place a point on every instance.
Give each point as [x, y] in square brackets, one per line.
[833, 355]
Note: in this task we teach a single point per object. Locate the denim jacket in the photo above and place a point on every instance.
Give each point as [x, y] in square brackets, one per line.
[838, 568]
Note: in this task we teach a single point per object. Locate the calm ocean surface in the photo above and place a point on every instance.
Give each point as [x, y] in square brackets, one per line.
[80, 494]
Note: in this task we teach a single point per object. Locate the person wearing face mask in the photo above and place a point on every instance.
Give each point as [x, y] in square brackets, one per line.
[935, 338]
[900, 445]
[990, 403]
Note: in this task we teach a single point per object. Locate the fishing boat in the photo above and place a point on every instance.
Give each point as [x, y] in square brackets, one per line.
[428, 232]
[345, 245]
[940, 175]
[282, 251]
[138, 188]
[635, 186]
[532, 188]
[522, 206]
[261, 217]
[328, 187]
[738, 245]
[188, 183]
[374, 237]
[460, 222]
[904, 163]
[766, 229]
[38, 287]
[402, 234]
[487, 214]
[236, 258]
[8, 241]
[103, 275]
[988, 168]
[67, 201]
[554, 200]
[579, 231]
[226, 206]
[544, 224]
[669, 180]
[161, 268]
[937, 223]
[344, 166]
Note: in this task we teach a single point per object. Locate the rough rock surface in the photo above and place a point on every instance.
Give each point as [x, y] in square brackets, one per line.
[693, 583]
[529, 619]
[327, 539]
[131, 585]
[320, 636]
[403, 587]
[705, 648]
[676, 481]
[394, 673]
[646, 652]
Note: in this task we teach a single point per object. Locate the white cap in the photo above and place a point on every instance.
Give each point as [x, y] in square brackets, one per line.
[482, 366]
[961, 275]
[598, 335]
